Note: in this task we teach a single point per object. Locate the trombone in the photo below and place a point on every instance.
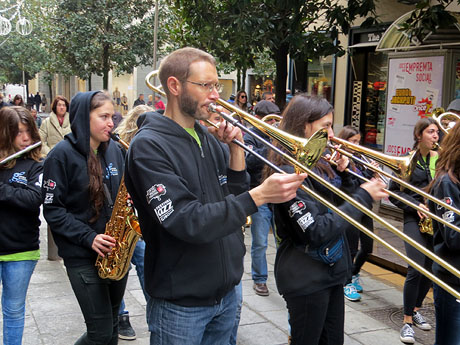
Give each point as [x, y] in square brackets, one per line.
[307, 152]
[445, 119]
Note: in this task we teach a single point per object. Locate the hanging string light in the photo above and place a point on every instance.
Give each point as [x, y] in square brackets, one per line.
[23, 26]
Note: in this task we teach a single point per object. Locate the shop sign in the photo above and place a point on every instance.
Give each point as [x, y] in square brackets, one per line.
[414, 91]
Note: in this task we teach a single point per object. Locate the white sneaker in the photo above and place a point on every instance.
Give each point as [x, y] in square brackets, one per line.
[407, 335]
[420, 321]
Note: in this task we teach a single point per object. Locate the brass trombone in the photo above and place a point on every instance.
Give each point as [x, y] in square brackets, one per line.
[445, 119]
[306, 153]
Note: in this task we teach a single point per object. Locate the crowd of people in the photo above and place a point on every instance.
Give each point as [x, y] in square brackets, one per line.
[193, 189]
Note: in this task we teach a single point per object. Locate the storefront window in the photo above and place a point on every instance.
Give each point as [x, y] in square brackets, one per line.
[320, 78]
[374, 108]
[314, 76]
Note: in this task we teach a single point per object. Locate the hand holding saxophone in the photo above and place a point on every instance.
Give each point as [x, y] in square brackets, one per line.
[103, 244]
[421, 214]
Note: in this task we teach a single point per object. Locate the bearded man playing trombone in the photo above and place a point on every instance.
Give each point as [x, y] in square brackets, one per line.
[192, 198]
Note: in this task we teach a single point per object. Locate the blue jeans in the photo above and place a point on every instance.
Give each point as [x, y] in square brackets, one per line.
[447, 317]
[260, 227]
[239, 302]
[138, 261]
[15, 277]
[172, 324]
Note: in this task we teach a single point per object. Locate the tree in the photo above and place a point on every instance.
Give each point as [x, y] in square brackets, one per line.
[239, 30]
[97, 36]
[427, 19]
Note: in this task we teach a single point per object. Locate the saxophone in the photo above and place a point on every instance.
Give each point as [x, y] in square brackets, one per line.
[124, 227]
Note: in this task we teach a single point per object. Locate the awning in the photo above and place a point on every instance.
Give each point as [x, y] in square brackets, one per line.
[364, 45]
[394, 39]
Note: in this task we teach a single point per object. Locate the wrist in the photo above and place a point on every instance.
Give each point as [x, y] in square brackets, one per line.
[257, 196]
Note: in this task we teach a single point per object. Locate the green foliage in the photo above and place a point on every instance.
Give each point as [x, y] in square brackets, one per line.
[240, 32]
[96, 36]
[427, 19]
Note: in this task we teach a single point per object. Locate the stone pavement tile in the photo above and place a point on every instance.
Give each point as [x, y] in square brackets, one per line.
[58, 289]
[371, 284]
[250, 317]
[367, 303]
[350, 341]
[60, 330]
[389, 296]
[380, 337]
[138, 341]
[138, 294]
[48, 276]
[58, 306]
[356, 322]
[265, 303]
[132, 305]
[279, 318]
[261, 334]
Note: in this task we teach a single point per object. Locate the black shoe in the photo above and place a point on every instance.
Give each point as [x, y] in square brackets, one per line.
[125, 331]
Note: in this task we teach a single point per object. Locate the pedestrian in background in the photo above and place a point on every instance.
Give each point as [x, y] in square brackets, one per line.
[416, 285]
[81, 179]
[18, 101]
[56, 126]
[38, 101]
[139, 100]
[20, 200]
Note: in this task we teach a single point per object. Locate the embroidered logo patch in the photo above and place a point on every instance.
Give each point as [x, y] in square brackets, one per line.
[40, 180]
[222, 179]
[155, 192]
[296, 207]
[164, 210]
[447, 200]
[305, 221]
[19, 177]
[110, 171]
[49, 184]
[48, 198]
[448, 216]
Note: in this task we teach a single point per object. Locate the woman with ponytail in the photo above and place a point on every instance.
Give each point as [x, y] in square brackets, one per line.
[81, 179]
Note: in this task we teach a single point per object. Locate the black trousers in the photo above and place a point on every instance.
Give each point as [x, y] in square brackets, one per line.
[317, 319]
[354, 236]
[416, 285]
[99, 301]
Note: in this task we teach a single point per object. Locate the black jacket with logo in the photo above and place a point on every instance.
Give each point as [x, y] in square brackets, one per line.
[446, 241]
[20, 200]
[305, 224]
[67, 207]
[191, 209]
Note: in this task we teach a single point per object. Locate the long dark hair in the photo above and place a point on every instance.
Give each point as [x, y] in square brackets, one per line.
[21, 104]
[300, 111]
[449, 157]
[346, 133]
[10, 117]
[243, 106]
[96, 187]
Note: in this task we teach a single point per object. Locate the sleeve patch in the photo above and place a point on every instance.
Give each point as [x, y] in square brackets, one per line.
[164, 210]
[305, 221]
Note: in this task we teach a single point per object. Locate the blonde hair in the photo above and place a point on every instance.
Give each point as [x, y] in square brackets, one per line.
[128, 127]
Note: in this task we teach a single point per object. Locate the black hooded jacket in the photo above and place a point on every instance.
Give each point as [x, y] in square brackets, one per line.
[306, 225]
[191, 209]
[446, 241]
[65, 189]
[20, 200]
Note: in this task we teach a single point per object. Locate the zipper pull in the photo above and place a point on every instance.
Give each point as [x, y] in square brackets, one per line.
[202, 153]
[327, 251]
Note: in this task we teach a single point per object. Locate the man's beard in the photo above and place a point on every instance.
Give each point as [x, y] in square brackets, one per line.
[189, 106]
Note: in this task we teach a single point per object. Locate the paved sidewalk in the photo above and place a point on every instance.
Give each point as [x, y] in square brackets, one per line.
[53, 316]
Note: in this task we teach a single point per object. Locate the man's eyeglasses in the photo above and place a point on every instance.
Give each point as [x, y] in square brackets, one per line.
[210, 86]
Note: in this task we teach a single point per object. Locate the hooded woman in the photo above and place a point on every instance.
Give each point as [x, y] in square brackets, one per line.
[81, 179]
